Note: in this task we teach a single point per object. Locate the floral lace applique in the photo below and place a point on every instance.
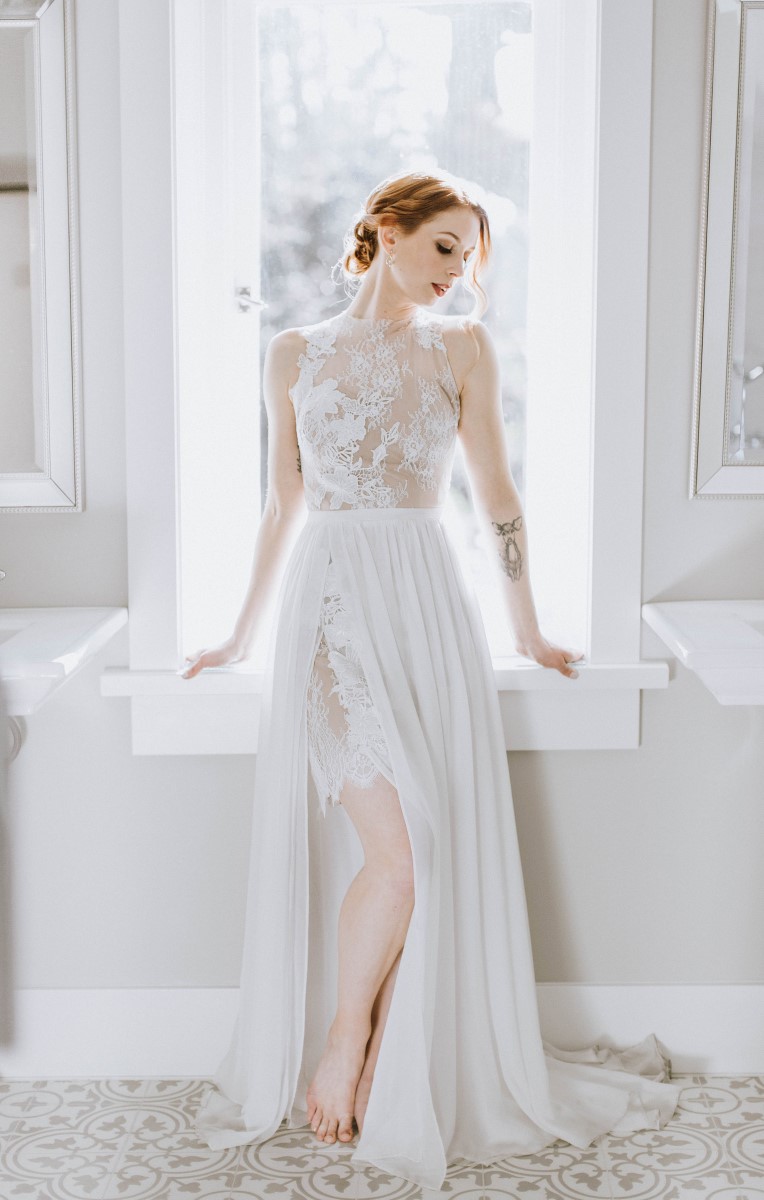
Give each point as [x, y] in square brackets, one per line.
[333, 428]
[377, 432]
[428, 335]
[344, 734]
[429, 437]
[334, 424]
[377, 374]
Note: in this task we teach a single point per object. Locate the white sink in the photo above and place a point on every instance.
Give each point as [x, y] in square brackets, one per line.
[721, 640]
[40, 648]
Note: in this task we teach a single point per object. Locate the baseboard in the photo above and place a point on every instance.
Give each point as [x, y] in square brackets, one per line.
[166, 1032]
[708, 1028]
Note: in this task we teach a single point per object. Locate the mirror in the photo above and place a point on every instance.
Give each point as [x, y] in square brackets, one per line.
[728, 425]
[40, 393]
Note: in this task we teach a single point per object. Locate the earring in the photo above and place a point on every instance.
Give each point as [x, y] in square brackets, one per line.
[389, 259]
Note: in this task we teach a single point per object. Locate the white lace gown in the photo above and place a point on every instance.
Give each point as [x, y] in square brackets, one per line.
[378, 663]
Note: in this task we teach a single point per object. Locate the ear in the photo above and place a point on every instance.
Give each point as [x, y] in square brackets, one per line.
[386, 236]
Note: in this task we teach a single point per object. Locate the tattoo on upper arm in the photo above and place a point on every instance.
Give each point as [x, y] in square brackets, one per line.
[299, 462]
[509, 555]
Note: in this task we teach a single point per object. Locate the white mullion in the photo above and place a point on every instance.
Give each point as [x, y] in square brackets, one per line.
[589, 209]
[148, 235]
[560, 313]
[620, 328]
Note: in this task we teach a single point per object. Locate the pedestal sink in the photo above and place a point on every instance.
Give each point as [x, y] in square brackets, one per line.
[722, 641]
[40, 648]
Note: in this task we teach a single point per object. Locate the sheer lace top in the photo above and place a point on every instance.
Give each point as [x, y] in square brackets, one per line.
[377, 408]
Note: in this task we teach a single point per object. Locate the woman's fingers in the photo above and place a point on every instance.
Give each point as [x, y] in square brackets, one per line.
[568, 657]
[561, 660]
[211, 656]
[195, 662]
[546, 654]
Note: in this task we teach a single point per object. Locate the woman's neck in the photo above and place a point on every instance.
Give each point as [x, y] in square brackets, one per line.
[375, 302]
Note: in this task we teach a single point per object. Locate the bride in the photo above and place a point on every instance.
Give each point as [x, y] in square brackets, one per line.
[387, 979]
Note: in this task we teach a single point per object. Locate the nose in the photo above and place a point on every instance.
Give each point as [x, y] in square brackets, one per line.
[457, 268]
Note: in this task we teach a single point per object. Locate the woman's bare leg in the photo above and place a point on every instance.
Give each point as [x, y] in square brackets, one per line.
[374, 920]
[378, 1020]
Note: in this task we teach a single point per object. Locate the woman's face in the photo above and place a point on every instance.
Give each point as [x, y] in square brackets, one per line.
[428, 261]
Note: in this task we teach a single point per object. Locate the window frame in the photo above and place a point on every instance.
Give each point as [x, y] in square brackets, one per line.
[584, 461]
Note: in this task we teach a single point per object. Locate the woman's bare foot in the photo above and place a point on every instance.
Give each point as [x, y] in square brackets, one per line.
[362, 1095]
[331, 1095]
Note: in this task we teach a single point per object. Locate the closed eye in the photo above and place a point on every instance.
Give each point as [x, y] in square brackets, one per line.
[450, 250]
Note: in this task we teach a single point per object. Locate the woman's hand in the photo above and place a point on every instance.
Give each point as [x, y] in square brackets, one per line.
[546, 654]
[227, 652]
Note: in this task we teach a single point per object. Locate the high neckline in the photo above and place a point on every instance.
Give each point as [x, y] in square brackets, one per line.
[382, 320]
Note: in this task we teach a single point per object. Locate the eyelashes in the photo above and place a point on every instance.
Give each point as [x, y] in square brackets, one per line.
[450, 250]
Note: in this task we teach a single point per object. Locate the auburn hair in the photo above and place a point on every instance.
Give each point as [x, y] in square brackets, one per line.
[408, 200]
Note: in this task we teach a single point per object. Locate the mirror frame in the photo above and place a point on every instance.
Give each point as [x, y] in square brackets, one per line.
[712, 474]
[57, 487]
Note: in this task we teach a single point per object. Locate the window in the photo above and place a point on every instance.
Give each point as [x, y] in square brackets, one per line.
[192, 162]
[346, 96]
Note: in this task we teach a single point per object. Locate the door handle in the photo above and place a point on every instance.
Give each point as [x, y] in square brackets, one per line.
[247, 301]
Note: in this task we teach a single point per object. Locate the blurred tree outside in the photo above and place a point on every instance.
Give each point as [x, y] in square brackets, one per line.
[350, 95]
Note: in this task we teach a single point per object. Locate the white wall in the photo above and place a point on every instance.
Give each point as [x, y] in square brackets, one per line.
[127, 872]
[640, 866]
[644, 865]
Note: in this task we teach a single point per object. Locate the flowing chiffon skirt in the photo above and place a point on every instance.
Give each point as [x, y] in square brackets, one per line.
[462, 1072]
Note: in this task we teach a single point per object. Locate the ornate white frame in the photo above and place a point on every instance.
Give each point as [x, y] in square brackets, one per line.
[59, 486]
[712, 476]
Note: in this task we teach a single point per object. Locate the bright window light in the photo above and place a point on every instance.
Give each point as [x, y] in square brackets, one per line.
[350, 94]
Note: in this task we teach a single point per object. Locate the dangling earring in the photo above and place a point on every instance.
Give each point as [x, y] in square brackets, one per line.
[389, 259]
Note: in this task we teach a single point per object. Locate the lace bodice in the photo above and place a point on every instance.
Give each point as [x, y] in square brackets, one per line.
[377, 408]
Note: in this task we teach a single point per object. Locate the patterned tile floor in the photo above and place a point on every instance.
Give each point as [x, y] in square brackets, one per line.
[133, 1139]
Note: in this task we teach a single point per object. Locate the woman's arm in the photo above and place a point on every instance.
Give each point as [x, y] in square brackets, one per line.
[284, 504]
[482, 436]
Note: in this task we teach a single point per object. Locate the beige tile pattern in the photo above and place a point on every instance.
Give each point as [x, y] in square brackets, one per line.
[133, 1139]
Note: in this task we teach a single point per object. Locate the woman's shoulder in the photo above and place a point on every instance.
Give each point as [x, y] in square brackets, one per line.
[293, 340]
[465, 339]
[285, 340]
[462, 326]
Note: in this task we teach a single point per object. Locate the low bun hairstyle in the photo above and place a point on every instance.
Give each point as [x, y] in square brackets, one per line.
[409, 200]
[360, 246]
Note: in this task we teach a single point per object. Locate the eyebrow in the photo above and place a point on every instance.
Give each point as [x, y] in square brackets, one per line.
[453, 235]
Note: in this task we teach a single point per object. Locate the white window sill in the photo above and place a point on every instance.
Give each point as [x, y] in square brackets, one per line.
[217, 712]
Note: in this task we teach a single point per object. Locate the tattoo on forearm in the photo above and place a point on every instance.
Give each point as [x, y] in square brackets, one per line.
[299, 462]
[509, 555]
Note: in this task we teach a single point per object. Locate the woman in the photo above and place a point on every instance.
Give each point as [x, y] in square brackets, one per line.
[418, 1022]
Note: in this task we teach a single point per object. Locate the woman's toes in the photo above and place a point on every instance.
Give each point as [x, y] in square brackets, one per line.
[345, 1132]
[316, 1119]
[331, 1132]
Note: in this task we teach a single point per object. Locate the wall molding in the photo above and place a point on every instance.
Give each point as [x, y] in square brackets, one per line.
[167, 1032]
[218, 712]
